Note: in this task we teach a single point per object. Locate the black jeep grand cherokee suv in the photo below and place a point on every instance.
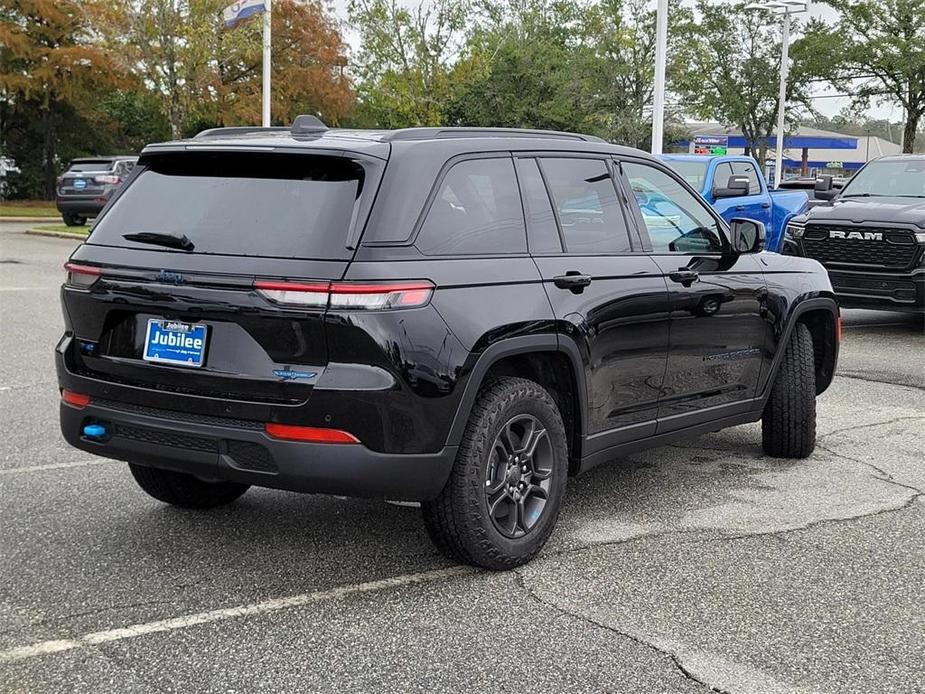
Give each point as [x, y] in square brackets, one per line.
[453, 316]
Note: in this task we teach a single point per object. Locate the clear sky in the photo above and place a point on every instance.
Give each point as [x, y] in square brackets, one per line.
[827, 106]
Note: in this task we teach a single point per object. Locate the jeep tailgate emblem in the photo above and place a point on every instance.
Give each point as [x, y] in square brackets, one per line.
[169, 277]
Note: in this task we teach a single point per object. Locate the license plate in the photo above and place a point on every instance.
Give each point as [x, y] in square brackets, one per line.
[173, 342]
[80, 184]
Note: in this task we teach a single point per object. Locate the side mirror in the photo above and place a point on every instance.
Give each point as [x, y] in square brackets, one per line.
[824, 188]
[736, 186]
[747, 235]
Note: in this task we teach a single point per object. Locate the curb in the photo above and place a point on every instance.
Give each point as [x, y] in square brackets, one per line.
[36, 220]
[57, 234]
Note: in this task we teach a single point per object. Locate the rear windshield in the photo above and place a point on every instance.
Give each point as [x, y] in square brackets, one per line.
[86, 166]
[270, 205]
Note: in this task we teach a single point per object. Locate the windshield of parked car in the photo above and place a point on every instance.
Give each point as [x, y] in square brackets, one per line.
[270, 205]
[903, 178]
[87, 166]
[691, 171]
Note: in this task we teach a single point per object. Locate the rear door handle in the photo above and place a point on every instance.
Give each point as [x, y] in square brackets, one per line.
[684, 276]
[572, 280]
[739, 208]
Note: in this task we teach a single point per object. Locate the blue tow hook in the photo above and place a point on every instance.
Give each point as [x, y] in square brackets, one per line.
[95, 431]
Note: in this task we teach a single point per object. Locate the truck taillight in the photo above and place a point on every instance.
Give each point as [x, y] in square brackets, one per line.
[368, 296]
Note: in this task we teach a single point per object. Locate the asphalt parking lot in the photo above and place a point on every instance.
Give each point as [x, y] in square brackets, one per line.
[691, 568]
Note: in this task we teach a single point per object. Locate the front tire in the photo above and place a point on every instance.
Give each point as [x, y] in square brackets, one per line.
[502, 499]
[789, 419]
[186, 491]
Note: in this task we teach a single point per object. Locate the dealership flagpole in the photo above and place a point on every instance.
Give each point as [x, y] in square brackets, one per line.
[265, 120]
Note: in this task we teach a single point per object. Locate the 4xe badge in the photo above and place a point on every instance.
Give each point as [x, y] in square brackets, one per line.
[291, 375]
[856, 235]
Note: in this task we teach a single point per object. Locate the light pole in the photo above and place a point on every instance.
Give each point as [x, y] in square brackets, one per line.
[658, 94]
[784, 8]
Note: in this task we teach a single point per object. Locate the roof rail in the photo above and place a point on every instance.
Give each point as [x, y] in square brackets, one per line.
[448, 133]
[238, 130]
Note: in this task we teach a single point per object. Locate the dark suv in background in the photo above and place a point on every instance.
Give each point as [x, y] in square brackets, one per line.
[88, 184]
[459, 317]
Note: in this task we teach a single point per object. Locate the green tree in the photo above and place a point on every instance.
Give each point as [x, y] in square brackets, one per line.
[404, 60]
[48, 62]
[876, 51]
[729, 65]
[519, 69]
[563, 65]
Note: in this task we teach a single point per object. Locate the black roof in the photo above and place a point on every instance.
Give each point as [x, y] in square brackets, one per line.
[378, 143]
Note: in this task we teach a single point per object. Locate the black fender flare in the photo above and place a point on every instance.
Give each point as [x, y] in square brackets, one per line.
[508, 347]
[801, 307]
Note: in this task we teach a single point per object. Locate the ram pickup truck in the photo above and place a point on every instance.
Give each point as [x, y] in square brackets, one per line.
[734, 186]
[870, 235]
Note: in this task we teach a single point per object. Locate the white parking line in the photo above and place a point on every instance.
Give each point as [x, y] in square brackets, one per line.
[258, 608]
[57, 466]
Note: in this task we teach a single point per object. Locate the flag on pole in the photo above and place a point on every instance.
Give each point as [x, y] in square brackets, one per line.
[241, 10]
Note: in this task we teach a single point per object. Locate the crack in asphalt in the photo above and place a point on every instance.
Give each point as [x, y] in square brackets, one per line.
[855, 427]
[823, 521]
[521, 581]
[856, 377]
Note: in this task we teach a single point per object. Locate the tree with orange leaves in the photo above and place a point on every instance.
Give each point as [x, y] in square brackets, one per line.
[46, 59]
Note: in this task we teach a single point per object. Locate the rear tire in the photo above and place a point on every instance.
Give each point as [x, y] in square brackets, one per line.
[502, 499]
[187, 491]
[789, 420]
[73, 220]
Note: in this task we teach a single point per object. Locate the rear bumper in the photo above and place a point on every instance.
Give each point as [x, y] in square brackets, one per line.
[87, 207]
[231, 450]
[884, 291]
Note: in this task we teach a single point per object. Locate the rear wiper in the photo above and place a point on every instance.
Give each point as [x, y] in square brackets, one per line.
[161, 239]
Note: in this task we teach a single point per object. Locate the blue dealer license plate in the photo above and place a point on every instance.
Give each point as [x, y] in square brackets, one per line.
[173, 342]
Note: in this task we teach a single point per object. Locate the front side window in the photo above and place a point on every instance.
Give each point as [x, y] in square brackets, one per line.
[744, 168]
[477, 210]
[587, 206]
[676, 219]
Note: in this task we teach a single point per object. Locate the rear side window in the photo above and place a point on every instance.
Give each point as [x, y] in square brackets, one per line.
[477, 210]
[743, 168]
[587, 206]
[271, 205]
[543, 234]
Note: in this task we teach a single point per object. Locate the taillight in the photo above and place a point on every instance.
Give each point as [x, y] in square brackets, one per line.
[348, 295]
[81, 276]
[107, 179]
[75, 399]
[291, 432]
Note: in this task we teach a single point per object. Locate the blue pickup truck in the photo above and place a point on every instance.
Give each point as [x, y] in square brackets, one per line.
[734, 186]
